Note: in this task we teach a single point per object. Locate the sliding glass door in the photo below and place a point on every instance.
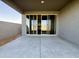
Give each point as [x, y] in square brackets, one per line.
[41, 24]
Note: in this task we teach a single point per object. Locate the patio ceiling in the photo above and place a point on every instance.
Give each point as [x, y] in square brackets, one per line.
[36, 5]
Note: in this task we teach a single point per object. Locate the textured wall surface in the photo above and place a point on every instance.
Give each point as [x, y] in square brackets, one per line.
[9, 29]
[69, 22]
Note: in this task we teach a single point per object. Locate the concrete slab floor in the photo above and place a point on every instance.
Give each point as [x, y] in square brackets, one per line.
[39, 47]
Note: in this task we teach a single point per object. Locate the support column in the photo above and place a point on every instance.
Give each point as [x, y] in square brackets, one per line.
[57, 25]
[24, 28]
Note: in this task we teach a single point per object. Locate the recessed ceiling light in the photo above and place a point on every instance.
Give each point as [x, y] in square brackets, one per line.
[42, 2]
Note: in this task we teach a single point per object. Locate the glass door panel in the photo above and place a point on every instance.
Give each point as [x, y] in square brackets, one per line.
[48, 26]
[53, 24]
[44, 25]
[41, 24]
[34, 25]
[28, 24]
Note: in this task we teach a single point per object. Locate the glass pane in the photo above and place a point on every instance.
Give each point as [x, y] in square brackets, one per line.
[34, 23]
[48, 25]
[53, 24]
[44, 24]
[27, 24]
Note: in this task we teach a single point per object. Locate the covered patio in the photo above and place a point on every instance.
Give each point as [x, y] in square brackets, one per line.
[62, 43]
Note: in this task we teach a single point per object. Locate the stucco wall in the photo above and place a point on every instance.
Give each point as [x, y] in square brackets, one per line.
[69, 22]
[9, 29]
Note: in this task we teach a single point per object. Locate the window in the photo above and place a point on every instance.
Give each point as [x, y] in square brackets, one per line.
[41, 24]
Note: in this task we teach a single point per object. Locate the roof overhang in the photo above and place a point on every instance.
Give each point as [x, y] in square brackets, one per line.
[23, 6]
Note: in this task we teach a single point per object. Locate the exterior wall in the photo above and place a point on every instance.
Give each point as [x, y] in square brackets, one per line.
[69, 22]
[9, 29]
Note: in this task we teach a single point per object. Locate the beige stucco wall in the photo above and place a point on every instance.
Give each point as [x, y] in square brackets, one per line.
[69, 22]
[9, 29]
